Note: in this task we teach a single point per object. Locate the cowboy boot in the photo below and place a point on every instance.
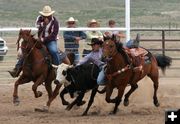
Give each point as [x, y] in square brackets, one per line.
[15, 72]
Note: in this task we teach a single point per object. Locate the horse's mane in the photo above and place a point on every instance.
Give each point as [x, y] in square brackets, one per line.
[119, 48]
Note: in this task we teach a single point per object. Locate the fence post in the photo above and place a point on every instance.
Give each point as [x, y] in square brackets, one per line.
[163, 42]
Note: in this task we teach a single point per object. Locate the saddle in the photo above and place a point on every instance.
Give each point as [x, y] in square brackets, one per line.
[139, 56]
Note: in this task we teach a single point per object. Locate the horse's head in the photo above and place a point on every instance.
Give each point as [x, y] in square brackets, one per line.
[28, 41]
[111, 47]
[23, 34]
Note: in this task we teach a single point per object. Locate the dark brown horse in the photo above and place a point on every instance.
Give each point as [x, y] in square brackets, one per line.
[120, 72]
[36, 67]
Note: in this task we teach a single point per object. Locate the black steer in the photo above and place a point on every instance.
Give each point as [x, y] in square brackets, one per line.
[79, 79]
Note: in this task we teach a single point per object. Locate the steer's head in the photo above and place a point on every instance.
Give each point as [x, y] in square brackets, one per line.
[62, 74]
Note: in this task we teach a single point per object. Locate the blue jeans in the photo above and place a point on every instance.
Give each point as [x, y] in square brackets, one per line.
[101, 80]
[19, 63]
[53, 49]
[77, 57]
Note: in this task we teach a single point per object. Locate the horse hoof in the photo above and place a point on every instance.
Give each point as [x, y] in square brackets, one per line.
[39, 94]
[157, 104]
[44, 109]
[126, 103]
[68, 108]
[112, 113]
[16, 101]
[84, 114]
[65, 103]
[81, 103]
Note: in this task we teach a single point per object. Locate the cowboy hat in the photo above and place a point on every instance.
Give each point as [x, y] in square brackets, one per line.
[71, 19]
[95, 41]
[93, 21]
[46, 11]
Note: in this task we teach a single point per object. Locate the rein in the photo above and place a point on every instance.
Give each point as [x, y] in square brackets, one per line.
[110, 76]
[73, 80]
[127, 67]
[31, 49]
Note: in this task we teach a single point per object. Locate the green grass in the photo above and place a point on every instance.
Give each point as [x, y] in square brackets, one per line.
[144, 13]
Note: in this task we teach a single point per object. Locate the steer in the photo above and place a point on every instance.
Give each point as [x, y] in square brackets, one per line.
[79, 79]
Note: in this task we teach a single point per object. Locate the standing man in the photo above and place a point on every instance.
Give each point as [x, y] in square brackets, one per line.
[72, 38]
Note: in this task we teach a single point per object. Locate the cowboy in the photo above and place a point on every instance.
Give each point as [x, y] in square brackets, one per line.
[95, 56]
[48, 29]
[72, 38]
[92, 34]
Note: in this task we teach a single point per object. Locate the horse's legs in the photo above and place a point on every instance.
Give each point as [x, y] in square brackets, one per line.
[91, 100]
[109, 90]
[118, 98]
[35, 85]
[77, 100]
[126, 99]
[48, 86]
[154, 78]
[63, 92]
[55, 93]
[20, 81]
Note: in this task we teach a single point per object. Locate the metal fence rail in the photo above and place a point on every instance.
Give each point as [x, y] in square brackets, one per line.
[163, 39]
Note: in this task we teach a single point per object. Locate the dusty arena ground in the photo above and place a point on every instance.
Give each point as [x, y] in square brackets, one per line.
[140, 111]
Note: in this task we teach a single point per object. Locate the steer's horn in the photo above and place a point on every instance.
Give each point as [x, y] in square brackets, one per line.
[54, 66]
[70, 66]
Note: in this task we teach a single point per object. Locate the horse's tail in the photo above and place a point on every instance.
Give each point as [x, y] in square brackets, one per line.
[163, 61]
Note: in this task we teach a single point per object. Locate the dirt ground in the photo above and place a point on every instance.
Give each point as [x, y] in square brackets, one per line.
[140, 110]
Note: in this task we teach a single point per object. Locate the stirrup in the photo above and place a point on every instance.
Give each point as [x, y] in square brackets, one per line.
[14, 73]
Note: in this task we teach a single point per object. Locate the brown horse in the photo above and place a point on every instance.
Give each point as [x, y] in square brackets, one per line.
[36, 67]
[120, 72]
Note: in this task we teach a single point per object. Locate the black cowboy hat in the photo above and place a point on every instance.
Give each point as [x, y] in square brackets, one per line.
[95, 41]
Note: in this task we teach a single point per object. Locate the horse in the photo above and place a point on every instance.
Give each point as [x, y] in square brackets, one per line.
[78, 79]
[36, 67]
[121, 72]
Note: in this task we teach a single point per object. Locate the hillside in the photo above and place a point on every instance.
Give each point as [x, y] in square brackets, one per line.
[144, 13]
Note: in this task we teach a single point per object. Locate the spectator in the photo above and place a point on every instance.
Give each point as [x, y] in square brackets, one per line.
[92, 34]
[72, 38]
[119, 35]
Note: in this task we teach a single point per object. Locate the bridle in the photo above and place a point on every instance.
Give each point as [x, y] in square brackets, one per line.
[32, 48]
[119, 71]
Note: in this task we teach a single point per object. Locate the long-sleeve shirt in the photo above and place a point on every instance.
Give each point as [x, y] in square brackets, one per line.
[47, 32]
[69, 38]
[94, 57]
[90, 35]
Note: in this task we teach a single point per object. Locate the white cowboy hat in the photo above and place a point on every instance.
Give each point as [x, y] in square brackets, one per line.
[46, 11]
[91, 22]
[71, 19]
